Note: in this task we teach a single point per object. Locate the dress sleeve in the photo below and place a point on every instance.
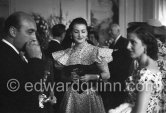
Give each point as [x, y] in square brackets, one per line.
[103, 54]
[61, 56]
[149, 78]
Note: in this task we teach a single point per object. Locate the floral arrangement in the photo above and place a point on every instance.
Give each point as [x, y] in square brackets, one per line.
[162, 48]
[42, 33]
[53, 20]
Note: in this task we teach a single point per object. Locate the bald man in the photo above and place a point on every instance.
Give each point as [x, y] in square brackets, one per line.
[18, 75]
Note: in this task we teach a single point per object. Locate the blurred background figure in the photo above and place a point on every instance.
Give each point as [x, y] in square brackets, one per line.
[43, 35]
[93, 37]
[58, 34]
[68, 41]
[119, 68]
[109, 42]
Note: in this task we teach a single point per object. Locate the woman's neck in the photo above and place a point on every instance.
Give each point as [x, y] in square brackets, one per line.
[143, 61]
[147, 62]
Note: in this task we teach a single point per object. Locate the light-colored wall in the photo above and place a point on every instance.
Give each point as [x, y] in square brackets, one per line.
[129, 10]
[71, 8]
[4, 11]
[148, 8]
[43, 7]
[136, 11]
[74, 8]
[4, 8]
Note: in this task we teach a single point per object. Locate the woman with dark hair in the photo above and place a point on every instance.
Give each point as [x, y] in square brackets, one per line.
[83, 66]
[145, 84]
[93, 37]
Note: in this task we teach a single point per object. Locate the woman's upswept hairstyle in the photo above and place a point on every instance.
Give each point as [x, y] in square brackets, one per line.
[78, 20]
[148, 39]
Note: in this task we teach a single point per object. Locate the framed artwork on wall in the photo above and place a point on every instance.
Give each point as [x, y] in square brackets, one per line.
[102, 13]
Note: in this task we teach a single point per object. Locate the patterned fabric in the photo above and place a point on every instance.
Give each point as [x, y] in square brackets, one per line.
[141, 79]
[89, 100]
[162, 65]
[162, 95]
[86, 56]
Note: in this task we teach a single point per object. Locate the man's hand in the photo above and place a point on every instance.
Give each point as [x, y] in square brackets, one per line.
[33, 49]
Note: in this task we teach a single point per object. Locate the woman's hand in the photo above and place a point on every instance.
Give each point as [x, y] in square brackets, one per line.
[33, 49]
[88, 77]
[85, 78]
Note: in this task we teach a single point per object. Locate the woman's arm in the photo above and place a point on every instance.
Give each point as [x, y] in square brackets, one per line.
[142, 99]
[103, 67]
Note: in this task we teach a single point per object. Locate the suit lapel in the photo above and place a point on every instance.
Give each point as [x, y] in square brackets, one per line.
[9, 52]
[119, 43]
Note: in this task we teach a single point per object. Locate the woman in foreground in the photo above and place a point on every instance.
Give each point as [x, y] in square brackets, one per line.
[145, 84]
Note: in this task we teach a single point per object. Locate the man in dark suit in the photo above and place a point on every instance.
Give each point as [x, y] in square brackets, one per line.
[18, 75]
[119, 67]
[58, 32]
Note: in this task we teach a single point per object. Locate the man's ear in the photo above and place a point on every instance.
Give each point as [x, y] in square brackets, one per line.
[12, 31]
[118, 31]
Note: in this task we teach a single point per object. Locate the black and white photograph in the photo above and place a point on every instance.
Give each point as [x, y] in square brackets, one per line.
[83, 56]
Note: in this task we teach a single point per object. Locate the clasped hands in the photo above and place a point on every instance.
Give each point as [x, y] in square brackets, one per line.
[85, 78]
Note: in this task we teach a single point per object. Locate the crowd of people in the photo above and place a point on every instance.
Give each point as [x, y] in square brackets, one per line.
[127, 76]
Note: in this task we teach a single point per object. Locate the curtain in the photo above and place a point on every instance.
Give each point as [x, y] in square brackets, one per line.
[160, 10]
